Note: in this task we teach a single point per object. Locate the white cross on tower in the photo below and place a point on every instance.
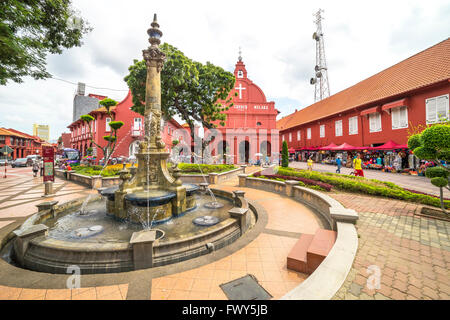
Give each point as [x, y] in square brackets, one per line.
[240, 88]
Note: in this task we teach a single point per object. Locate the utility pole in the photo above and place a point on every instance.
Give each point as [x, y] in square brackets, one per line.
[320, 80]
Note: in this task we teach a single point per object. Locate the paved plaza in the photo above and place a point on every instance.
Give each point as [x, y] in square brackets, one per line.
[411, 253]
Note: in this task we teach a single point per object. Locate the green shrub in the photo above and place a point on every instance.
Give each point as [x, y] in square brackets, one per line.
[87, 118]
[205, 168]
[433, 172]
[285, 155]
[414, 141]
[318, 188]
[439, 182]
[116, 125]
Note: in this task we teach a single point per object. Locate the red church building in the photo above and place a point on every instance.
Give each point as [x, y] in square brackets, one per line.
[250, 126]
[387, 106]
[128, 136]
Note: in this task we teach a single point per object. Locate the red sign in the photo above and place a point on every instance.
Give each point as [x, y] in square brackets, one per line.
[48, 155]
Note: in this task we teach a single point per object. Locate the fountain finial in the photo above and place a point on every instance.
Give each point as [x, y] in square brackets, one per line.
[154, 33]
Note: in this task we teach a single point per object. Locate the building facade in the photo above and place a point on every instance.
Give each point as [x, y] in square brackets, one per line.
[42, 131]
[129, 134]
[22, 143]
[390, 105]
[250, 126]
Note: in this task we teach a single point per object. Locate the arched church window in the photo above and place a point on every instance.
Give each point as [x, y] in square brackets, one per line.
[258, 123]
[240, 74]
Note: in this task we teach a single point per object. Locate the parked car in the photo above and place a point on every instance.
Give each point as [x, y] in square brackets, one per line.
[20, 162]
[32, 158]
[3, 161]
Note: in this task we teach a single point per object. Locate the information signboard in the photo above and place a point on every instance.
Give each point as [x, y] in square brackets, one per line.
[49, 159]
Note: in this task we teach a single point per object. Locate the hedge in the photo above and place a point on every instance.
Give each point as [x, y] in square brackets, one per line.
[300, 183]
[205, 168]
[363, 185]
[324, 186]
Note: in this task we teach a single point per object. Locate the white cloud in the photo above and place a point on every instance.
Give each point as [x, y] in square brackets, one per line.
[361, 39]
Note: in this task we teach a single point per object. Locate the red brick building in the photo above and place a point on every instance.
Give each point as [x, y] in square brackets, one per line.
[128, 136]
[250, 126]
[22, 143]
[386, 106]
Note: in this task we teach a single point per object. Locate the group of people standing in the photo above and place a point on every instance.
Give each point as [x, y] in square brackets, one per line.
[357, 165]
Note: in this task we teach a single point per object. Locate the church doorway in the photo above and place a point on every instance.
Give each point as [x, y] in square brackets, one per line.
[265, 148]
[222, 151]
[244, 151]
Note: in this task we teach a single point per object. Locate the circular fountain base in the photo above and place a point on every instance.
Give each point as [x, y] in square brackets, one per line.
[111, 249]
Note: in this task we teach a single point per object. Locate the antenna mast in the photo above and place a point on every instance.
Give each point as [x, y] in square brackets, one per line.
[320, 80]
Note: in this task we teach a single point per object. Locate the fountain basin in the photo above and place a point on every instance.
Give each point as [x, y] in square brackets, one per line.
[110, 192]
[176, 241]
[151, 198]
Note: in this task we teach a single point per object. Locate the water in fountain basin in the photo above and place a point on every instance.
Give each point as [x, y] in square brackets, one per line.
[115, 230]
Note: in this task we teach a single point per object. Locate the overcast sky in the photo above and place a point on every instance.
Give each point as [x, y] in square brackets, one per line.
[361, 39]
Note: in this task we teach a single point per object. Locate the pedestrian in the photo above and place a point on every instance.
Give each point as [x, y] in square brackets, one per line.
[339, 164]
[310, 163]
[42, 167]
[35, 168]
[379, 162]
[357, 165]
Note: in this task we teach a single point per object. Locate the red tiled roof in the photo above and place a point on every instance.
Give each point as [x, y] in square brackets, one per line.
[5, 132]
[423, 69]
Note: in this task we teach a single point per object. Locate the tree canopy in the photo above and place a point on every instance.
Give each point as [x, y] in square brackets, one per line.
[31, 29]
[433, 143]
[189, 89]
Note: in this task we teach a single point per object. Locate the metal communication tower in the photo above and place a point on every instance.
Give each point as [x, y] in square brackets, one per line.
[320, 80]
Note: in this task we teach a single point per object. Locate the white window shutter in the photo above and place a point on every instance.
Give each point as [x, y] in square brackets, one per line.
[395, 114]
[403, 117]
[372, 123]
[442, 107]
[431, 110]
[108, 120]
[378, 122]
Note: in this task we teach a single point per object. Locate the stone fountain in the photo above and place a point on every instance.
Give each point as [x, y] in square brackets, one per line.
[151, 190]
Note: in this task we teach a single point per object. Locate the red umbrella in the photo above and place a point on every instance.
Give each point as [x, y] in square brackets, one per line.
[329, 147]
[344, 147]
[390, 145]
[291, 150]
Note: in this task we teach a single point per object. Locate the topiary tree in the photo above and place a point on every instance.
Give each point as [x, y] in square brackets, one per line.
[285, 155]
[433, 144]
[111, 139]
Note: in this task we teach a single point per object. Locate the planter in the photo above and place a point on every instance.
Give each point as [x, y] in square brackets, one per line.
[433, 213]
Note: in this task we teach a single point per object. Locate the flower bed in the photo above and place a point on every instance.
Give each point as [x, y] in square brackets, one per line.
[363, 185]
[305, 181]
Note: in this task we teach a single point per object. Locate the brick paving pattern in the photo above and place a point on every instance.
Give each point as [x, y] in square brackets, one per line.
[411, 252]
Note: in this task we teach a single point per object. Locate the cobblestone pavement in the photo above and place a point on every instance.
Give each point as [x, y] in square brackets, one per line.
[417, 183]
[410, 255]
